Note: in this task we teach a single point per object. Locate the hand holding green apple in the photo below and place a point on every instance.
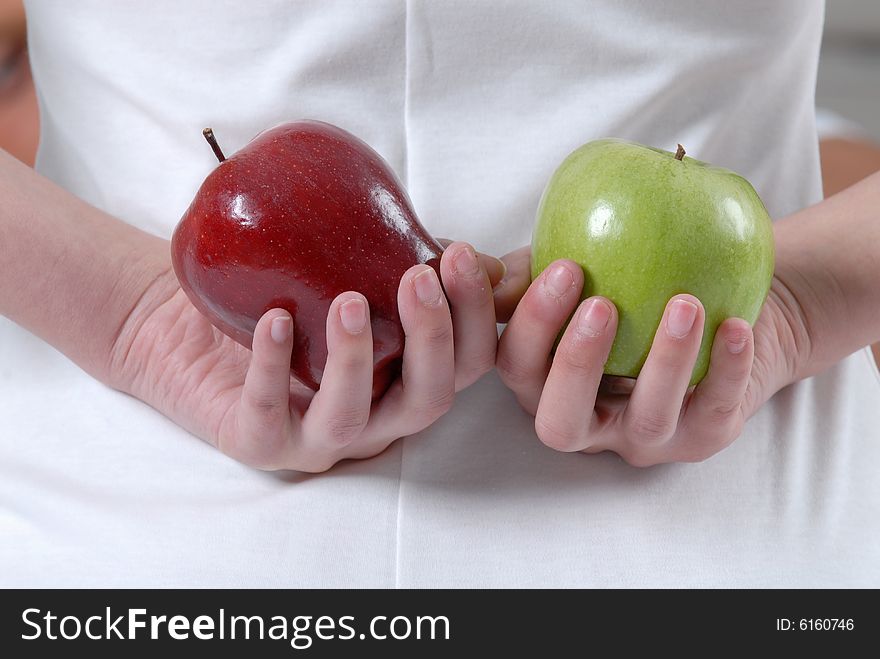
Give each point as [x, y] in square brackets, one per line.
[640, 258]
[645, 225]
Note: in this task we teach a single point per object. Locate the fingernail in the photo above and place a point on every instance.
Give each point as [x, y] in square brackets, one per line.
[593, 318]
[280, 329]
[681, 318]
[737, 344]
[427, 287]
[558, 281]
[353, 315]
[465, 262]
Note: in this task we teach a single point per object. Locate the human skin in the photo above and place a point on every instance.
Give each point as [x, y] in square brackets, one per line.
[823, 305]
[86, 327]
[104, 294]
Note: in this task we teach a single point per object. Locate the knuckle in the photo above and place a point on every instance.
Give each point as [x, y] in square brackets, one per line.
[639, 459]
[733, 376]
[434, 405]
[513, 371]
[261, 465]
[556, 435]
[483, 364]
[578, 362]
[351, 356]
[474, 368]
[437, 337]
[651, 428]
[270, 369]
[722, 410]
[267, 406]
[670, 361]
[345, 426]
[354, 360]
[315, 464]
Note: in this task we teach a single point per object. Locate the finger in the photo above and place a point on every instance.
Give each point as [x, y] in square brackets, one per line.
[517, 278]
[426, 388]
[264, 422]
[655, 405]
[494, 267]
[525, 346]
[340, 410]
[714, 415]
[474, 331]
[566, 411]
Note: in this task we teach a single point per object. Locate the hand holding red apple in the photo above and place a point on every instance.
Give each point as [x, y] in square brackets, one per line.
[304, 247]
[247, 403]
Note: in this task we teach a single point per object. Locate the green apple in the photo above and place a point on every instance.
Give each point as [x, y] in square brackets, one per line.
[646, 224]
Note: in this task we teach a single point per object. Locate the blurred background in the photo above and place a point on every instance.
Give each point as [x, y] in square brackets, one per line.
[18, 108]
[848, 92]
[849, 71]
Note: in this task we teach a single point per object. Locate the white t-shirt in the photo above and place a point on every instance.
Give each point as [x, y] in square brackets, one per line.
[474, 104]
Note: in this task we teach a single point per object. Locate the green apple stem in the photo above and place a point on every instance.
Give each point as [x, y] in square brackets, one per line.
[209, 135]
[679, 153]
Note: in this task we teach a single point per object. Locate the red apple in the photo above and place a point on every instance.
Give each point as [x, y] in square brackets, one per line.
[304, 212]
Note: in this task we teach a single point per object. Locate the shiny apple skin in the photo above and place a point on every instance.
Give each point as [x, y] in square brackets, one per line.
[302, 213]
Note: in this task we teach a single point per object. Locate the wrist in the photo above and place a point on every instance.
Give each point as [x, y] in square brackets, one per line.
[827, 273]
[150, 283]
[789, 320]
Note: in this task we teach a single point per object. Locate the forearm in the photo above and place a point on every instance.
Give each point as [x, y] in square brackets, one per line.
[70, 273]
[828, 256]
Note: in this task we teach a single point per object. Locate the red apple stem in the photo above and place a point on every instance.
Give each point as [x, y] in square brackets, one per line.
[679, 153]
[209, 135]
